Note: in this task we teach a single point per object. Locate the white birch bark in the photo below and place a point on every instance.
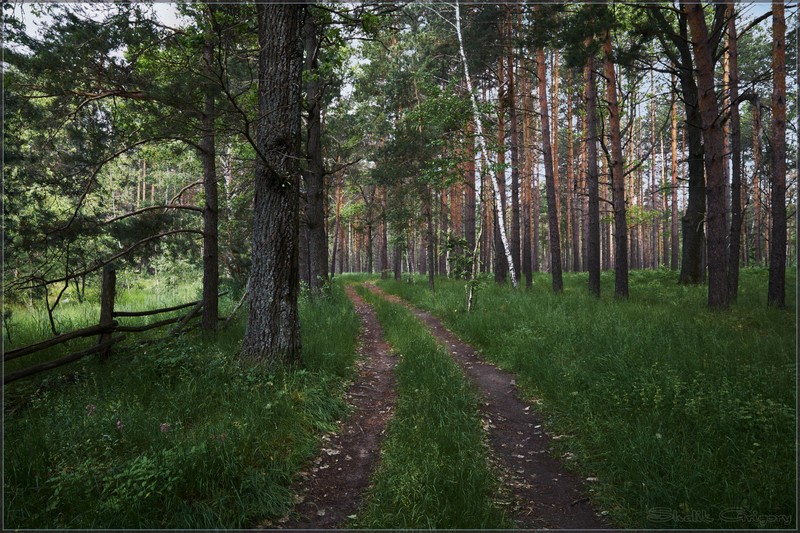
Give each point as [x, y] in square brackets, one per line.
[484, 151]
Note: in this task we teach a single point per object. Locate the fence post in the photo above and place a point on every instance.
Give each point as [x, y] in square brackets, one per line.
[108, 291]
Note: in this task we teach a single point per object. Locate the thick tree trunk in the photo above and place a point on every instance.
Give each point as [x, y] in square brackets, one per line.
[617, 177]
[593, 223]
[736, 158]
[273, 327]
[776, 293]
[714, 157]
[552, 203]
[314, 176]
[208, 156]
[692, 271]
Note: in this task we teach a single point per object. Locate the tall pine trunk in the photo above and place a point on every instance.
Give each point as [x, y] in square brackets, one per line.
[776, 292]
[314, 175]
[552, 204]
[273, 326]
[713, 157]
[592, 185]
[617, 176]
[736, 158]
[514, 148]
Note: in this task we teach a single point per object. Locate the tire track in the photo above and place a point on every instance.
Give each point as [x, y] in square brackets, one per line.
[546, 494]
[332, 489]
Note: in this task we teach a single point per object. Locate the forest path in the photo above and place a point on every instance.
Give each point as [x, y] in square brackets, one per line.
[547, 496]
[331, 490]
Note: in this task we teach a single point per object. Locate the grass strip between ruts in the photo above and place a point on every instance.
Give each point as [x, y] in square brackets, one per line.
[434, 470]
[683, 417]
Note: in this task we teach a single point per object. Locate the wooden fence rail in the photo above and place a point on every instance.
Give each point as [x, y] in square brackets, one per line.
[104, 330]
[39, 346]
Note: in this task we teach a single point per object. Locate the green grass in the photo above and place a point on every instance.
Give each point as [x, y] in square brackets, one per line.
[31, 325]
[434, 470]
[686, 417]
[177, 434]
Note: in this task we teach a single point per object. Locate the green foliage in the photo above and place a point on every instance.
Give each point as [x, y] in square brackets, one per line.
[434, 471]
[176, 434]
[671, 407]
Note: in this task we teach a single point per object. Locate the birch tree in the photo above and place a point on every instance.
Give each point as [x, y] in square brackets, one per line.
[479, 130]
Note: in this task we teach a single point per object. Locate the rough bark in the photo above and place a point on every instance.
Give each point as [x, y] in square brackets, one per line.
[776, 292]
[593, 223]
[691, 270]
[714, 157]
[617, 176]
[552, 204]
[273, 326]
[314, 175]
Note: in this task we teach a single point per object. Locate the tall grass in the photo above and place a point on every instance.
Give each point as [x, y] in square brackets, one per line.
[177, 434]
[686, 417]
[434, 470]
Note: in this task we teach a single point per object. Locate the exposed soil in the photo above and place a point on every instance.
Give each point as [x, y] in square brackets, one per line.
[546, 494]
[331, 489]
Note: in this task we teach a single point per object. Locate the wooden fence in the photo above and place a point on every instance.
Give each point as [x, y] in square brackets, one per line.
[104, 331]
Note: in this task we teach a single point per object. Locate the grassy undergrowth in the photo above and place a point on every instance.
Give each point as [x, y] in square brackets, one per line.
[686, 417]
[434, 471]
[176, 434]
